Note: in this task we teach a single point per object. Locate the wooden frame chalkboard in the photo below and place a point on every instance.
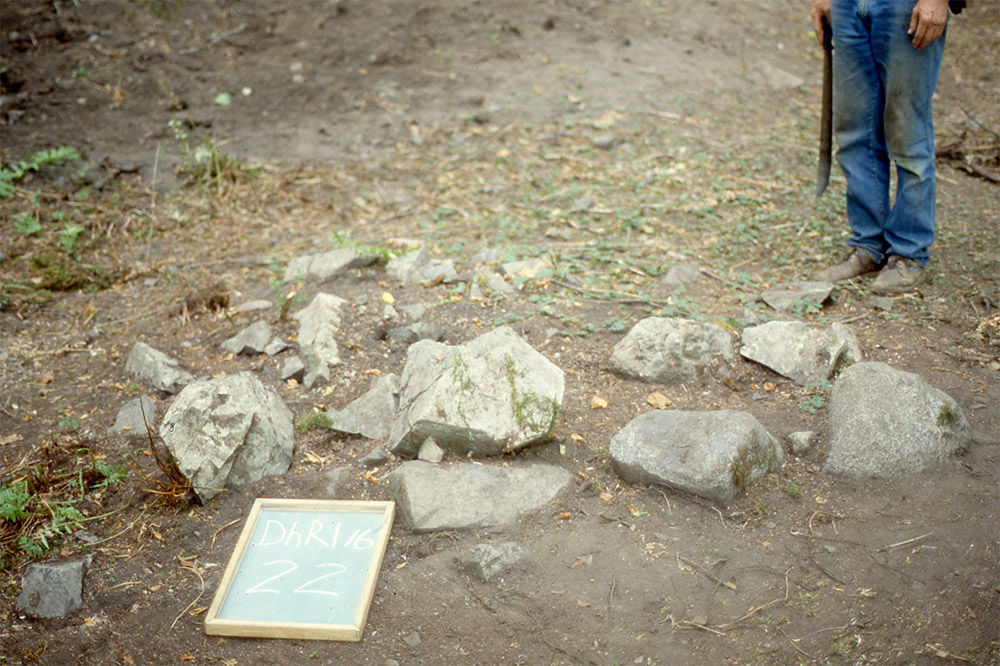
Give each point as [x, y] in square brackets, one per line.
[302, 569]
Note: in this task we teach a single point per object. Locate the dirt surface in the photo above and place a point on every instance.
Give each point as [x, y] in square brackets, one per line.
[614, 138]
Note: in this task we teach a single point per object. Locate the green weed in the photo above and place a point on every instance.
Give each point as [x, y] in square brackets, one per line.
[15, 171]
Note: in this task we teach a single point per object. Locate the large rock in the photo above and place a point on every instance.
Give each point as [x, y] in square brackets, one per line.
[660, 349]
[155, 367]
[805, 354]
[468, 496]
[492, 395]
[885, 423]
[318, 323]
[371, 414]
[714, 455]
[52, 589]
[228, 433]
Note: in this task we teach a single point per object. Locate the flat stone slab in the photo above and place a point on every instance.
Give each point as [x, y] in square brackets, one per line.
[886, 423]
[783, 297]
[52, 589]
[803, 353]
[465, 496]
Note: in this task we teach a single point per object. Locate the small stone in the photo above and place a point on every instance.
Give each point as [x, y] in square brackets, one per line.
[801, 441]
[275, 347]
[375, 457]
[883, 303]
[413, 640]
[430, 451]
[293, 368]
[606, 141]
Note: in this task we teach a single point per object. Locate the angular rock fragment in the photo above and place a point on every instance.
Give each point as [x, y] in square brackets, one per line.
[52, 589]
[131, 421]
[371, 414]
[228, 433]
[318, 323]
[155, 367]
[251, 340]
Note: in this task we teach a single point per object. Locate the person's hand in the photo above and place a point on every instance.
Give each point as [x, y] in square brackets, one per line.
[927, 22]
[821, 8]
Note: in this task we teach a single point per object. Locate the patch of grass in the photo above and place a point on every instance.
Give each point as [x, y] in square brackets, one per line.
[313, 421]
[15, 171]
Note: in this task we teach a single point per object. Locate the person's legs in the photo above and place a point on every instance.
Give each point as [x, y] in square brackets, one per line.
[859, 103]
[909, 76]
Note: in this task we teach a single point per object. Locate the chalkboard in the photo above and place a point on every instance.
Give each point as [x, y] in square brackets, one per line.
[302, 569]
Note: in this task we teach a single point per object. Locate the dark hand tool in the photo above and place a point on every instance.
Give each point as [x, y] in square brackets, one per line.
[826, 117]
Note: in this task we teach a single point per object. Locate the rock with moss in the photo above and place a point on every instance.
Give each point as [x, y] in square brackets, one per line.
[714, 455]
[886, 423]
[803, 353]
[492, 395]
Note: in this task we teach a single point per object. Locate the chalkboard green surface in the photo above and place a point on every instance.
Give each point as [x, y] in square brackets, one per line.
[302, 569]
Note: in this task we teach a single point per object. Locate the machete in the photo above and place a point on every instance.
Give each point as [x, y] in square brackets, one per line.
[826, 117]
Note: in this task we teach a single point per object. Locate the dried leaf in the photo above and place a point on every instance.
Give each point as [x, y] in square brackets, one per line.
[658, 400]
[607, 497]
[576, 437]
[565, 515]
[598, 403]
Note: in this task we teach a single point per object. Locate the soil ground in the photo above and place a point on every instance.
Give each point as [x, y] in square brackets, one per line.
[615, 138]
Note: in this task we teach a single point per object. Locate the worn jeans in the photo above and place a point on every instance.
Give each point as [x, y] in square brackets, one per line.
[882, 114]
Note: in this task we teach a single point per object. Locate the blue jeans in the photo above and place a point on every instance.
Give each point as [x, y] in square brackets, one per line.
[882, 114]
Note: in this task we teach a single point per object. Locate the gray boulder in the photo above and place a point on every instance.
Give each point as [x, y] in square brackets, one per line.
[156, 368]
[466, 496]
[714, 455]
[318, 323]
[130, 426]
[371, 414]
[52, 589]
[886, 423]
[228, 433]
[660, 349]
[492, 395]
[805, 354]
